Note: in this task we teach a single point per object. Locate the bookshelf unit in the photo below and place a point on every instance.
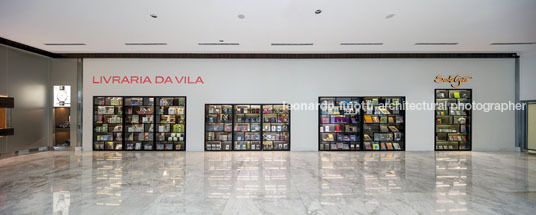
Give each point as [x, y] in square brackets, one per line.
[276, 128]
[384, 124]
[139, 123]
[340, 128]
[133, 123]
[170, 123]
[107, 123]
[218, 127]
[247, 127]
[453, 120]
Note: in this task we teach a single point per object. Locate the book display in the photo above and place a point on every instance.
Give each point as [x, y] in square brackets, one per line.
[108, 123]
[170, 123]
[218, 127]
[139, 123]
[247, 127]
[453, 119]
[340, 124]
[383, 124]
[276, 127]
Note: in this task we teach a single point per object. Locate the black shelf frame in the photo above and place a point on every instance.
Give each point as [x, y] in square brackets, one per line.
[469, 116]
[402, 112]
[233, 113]
[124, 115]
[95, 134]
[158, 98]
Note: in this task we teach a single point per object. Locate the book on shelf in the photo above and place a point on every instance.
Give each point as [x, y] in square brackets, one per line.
[391, 119]
[383, 128]
[367, 137]
[398, 136]
[396, 146]
[393, 128]
[389, 146]
[375, 146]
[383, 119]
[399, 119]
[368, 119]
[368, 146]
[382, 146]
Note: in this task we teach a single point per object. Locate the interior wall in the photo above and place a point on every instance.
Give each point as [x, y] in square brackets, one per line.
[527, 74]
[304, 80]
[25, 76]
[64, 72]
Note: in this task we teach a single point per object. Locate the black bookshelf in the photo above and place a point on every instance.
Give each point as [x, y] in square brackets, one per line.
[376, 124]
[170, 123]
[247, 127]
[340, 124]
[108, 123]
[384, 123]
[453, 120]
[138, 123]
[276, 128]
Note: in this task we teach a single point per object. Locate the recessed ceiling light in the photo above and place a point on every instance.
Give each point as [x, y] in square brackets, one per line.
[436, 44]
[145, 44]
[361, 44]
[390, 16]
[153, 15]
[292, 44]
[318, 11]
[241, 16]
[514, 43]
[65, 44]
[218, 44]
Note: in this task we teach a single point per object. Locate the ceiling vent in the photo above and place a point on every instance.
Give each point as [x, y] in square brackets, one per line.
[145, 44]
[436, 44]
[292, 44]
[513, 44]
[219, 44]
[65, 44]
[361, 44]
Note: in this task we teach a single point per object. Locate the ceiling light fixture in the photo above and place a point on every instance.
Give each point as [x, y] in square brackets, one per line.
[318, 11]
[145, 44]
[153, 15]
[436, 44]
[292, 44]
[361, 44]
[514, 43]
[241, 16]
[65, 44]
[390, 16]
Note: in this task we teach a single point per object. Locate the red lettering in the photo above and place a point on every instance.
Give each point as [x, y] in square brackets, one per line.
[158, 79]
[116, 79]
[147, 80]
[168, 80]
[134, 79]
[199, 80]
[107, 81]
[125, 79]
[95, 82]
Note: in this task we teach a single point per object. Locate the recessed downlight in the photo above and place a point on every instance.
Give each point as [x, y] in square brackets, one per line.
[513, 43]
[218, 44]
[145, 44]
[436, 44]
[65, 44]
[361, 44]
[390, 16]
[154, 16]
[241, 16]
[318, 11]
[292, 44]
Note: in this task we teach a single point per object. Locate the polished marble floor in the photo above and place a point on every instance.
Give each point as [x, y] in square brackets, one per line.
[65, 182]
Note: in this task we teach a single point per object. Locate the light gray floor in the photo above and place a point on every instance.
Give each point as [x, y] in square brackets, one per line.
[268, 183]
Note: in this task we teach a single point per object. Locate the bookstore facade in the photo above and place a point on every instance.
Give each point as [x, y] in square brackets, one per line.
[253, 104]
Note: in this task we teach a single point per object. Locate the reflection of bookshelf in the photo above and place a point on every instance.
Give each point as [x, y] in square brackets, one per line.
[275, 127]
[383, 124]
[453, 119]
[240, 127]
[108, 123]
[218, 127]
[139, 123]
[340, 124]
[170, 123]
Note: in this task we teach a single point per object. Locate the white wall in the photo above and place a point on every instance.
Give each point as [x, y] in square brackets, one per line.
[527, 70]
[303, 80]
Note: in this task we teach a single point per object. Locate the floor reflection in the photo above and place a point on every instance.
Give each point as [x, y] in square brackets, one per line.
[268, 183]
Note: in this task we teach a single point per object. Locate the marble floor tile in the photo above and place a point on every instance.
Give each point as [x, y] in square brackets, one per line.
[65, 182]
